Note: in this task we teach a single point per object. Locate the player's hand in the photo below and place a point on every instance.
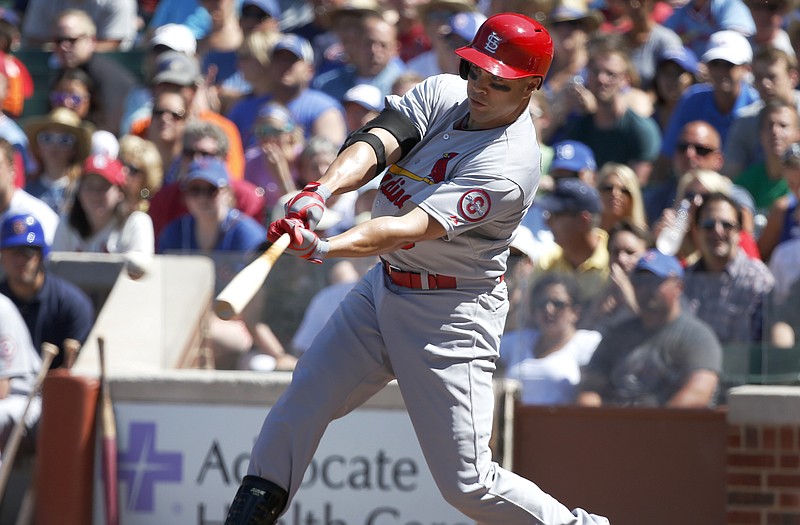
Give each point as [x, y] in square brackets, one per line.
[304, 242]
[308, 205]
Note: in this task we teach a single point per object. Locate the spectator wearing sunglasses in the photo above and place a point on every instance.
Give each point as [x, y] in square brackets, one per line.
[200, 140]
[547, 357]
[214, 227]
[78, 45]
[694, 186]
[726, 288]
[698, 147]
[74, 89]
[168, 37]
[60, 142]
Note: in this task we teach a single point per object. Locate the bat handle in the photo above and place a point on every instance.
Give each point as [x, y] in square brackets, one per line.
[49, 352]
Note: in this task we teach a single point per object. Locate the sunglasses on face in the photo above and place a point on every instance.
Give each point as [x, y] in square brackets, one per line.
[711, 224]
[59, 140]
[62, 98]
[701, 150]
[67, 40]
[177, 114]
[201, 191]
[557, 304]
[609, 188]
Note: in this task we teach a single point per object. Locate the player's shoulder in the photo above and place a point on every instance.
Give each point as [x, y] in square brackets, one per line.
[440, 90]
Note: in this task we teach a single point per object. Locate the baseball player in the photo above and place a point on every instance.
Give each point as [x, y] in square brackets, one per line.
[463, 168]
[19, 364]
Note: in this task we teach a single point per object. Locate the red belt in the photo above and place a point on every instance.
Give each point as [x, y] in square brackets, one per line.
[414, 280]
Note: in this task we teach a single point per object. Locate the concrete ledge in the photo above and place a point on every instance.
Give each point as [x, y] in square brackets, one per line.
[777, 405]
[220, 387]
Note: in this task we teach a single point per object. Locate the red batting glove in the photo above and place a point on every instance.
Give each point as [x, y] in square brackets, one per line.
[309, 204]
[304, 242]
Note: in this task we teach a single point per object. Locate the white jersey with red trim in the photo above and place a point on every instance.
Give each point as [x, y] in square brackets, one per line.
[477, 184]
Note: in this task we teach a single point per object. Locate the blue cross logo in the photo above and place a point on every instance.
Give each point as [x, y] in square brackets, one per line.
[142, 466]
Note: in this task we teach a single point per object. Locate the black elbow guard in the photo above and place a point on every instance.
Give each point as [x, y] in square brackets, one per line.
[372, 140]
[395, 123]
[398, 125]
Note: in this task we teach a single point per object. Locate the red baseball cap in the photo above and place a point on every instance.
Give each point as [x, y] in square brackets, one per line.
[108, 168]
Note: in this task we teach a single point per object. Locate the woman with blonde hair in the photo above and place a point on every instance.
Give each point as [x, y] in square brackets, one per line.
[145, 173]
[621, 197]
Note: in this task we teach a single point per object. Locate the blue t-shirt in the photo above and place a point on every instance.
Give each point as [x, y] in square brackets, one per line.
[59, 311]
[306, 108]
[697, 103]
[225, 62]
[694, 27]
[238, 232]
[337, 81]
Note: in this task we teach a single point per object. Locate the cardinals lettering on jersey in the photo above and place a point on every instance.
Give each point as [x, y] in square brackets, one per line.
[391, 185]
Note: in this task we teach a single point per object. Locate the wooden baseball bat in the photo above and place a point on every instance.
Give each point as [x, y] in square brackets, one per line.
[109, 431]
[71, 349]
[49, 351]
[234, 297]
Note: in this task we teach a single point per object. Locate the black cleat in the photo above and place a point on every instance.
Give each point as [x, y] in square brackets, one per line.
[257, 502]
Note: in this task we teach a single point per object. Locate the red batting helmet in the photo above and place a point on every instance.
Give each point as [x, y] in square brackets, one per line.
[509, 45]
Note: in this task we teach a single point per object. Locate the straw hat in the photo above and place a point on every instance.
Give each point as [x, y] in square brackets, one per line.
[62, 119]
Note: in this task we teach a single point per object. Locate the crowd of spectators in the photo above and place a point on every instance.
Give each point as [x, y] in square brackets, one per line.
[657, 120]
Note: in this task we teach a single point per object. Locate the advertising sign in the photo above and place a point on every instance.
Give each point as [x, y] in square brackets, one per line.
[181, 464]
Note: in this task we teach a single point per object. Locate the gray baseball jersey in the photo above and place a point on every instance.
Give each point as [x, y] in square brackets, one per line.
[441, 345]
[19, 363]
[477, 184]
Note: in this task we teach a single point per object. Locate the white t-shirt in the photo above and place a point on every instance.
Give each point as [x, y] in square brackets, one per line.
[136, 235]
[553, 379]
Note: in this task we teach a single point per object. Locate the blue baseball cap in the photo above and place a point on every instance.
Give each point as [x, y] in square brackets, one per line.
[683, 56]
[270, 7]
[572, 155]
[210, 170]
[571, 195]
[465, 25]
[298, 46]
[23, 230]
[659, 264]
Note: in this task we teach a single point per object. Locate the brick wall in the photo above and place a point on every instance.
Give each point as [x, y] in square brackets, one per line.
[763, 466]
